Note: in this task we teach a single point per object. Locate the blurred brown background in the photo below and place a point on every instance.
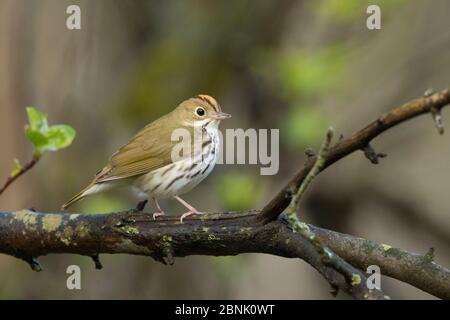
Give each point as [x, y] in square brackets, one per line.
[300, 66]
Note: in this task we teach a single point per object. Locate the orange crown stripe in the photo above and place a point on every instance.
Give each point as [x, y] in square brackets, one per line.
[210, 100]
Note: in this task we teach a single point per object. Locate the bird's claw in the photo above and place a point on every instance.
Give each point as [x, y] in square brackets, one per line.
[158, 214]
[189, 213]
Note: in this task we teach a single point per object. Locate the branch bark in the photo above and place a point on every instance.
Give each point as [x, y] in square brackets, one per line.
[26, 235]
[429, 103]
[419, 270]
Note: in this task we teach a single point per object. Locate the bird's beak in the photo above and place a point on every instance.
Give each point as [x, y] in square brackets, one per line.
[220, 116]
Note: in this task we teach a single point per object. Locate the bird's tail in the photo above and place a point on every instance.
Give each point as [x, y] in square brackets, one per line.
[80, 195]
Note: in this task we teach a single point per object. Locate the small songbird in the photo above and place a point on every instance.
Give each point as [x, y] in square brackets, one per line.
[147, 162]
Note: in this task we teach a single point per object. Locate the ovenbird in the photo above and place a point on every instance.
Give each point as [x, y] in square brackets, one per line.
[146, 161]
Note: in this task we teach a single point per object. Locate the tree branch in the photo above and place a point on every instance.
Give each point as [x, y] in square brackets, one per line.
[419, 270]
[360, 141]
[26, 235]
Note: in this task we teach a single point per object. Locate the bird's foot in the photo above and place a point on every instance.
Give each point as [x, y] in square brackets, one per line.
[191, 209]
[141, 205]
[158, 214]
[189, 213]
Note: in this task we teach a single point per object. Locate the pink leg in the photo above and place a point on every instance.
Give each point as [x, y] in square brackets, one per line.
[159, 211]
[191, 209]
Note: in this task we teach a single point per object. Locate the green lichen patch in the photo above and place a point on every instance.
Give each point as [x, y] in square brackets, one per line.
[65, 241]
[51, 222]
[66, 235]
[397, 253]
[130, 230]
[356, 279]
[205, 216]
[82, 230]
[385, 247]
[27, 217]
[212, 237]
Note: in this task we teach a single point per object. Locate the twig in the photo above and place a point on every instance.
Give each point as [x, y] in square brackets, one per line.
[328, 257]
[98, 264]
[357, 141]
[34, 264]
[291, 211]
[316, 168]
[437, 118]
[372, 155]
[22, 170]
[429, 256]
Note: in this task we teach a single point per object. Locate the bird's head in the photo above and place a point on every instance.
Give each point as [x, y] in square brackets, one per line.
[201, 111]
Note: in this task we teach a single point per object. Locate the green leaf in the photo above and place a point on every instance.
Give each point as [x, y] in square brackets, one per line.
[38, 140]
[37, 119]
[59, 136]
[17, 168]
[44, 137]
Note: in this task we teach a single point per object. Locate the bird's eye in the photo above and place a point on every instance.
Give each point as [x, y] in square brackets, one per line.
[200, 111]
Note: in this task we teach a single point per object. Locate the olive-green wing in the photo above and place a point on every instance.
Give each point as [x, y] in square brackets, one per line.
[149, 150]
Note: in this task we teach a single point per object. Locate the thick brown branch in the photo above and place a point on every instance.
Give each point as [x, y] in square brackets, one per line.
[359, 141]
[26, 234]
